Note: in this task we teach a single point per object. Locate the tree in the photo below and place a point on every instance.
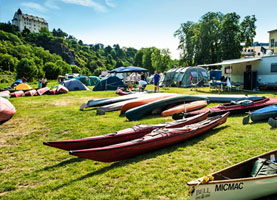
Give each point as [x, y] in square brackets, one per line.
[248, 30]
[52, 71]
[27, 68]
[8, 62]
[146, 59]
[231, 47]
[66, 68]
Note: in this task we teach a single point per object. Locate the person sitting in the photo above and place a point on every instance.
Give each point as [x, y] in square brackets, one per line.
[142, 83]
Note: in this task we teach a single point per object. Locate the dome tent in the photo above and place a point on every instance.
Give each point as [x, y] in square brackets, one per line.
[75, 84]
[197, 73]
[109, 83]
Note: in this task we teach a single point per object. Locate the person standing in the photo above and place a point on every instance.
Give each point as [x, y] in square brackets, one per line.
[156, 81]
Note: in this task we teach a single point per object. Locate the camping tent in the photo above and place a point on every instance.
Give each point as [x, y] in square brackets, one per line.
[169, 75]
[109, 83]
[197, 73]
[93, 80]
[74, 84]
[23, 86]
[16, 83]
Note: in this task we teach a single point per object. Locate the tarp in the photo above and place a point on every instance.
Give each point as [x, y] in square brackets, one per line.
[128, 69]
[74, 84]
[109, 83]
[23, 86]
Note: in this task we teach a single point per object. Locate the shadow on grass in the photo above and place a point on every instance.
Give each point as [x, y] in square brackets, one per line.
[145, 156]
[61, 164]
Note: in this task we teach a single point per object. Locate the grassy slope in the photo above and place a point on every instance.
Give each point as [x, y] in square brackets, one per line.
[30, 170]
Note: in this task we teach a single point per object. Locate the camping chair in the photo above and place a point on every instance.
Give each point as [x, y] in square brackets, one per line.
[213, 84]
[198, 84]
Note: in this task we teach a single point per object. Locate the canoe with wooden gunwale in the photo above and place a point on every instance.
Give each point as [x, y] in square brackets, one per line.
[7, 110]
[235, 182]
[30, 92]
[186, 107]
[122, 92]
[155, 140]
[17, 93]
[42, 91]
[162, 104]
[236, 107]
[122, 135]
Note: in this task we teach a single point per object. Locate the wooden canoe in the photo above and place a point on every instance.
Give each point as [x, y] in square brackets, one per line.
[145, 100]
[17, 93]
[42, 91]
[124, 135]
[6, 110]
[155, 140]
[30, 93]
[234, 182]
[186, 107]
[239, 107]
[162, 104]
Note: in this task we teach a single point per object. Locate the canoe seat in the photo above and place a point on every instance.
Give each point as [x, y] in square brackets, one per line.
[263, 167]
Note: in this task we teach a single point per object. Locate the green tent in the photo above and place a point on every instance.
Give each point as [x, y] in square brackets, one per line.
[93, 80]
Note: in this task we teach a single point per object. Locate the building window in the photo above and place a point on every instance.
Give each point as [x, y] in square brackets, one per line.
[275, 44]
[273, 67]
[272, 42]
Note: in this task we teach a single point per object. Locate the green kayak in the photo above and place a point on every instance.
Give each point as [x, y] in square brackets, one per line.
[160, 105]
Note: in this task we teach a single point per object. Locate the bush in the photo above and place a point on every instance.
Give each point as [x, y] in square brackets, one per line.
[52, 71]
[26, 68]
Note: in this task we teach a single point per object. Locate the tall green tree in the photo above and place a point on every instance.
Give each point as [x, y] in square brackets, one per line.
[248, 30]
[27, 68]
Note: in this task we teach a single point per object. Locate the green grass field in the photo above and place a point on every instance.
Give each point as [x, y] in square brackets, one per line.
[30, 170]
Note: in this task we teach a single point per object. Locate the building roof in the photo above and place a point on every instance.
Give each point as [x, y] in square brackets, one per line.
[230, 62]
[272, 30]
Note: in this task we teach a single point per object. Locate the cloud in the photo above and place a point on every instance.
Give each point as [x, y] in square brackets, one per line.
[32, 5]
[51, 4]
[87, 3]
[110, 3]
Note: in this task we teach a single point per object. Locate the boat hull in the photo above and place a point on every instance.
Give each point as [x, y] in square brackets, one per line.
[145, 144]
[120, 136]
[7, 110]
[42, 91]
[17, 93]
[264, 113]
[30, 93]
[184, 108]
[234, 182]
[233, 190]
[5, 94]
[138, 112]
[234, 109]
[61, 89]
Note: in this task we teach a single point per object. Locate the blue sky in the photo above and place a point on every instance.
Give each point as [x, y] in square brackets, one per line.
[136, 23]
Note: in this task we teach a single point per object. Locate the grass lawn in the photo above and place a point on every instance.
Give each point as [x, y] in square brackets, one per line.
[30, 170]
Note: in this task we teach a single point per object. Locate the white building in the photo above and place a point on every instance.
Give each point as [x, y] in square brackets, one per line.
[22, 21]
[250, 73]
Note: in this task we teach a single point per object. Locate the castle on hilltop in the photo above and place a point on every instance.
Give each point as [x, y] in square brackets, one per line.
[22, 21]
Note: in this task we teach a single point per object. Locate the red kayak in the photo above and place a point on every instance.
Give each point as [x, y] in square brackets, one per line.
[42, 91]
[236, 107]
[62, 89]
[53, 91]
[124, 135]
[152, 141]
[30, 93]
[17, 93]
[6, 110]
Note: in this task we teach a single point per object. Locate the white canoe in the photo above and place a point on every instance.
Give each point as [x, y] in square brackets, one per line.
[234, 183]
